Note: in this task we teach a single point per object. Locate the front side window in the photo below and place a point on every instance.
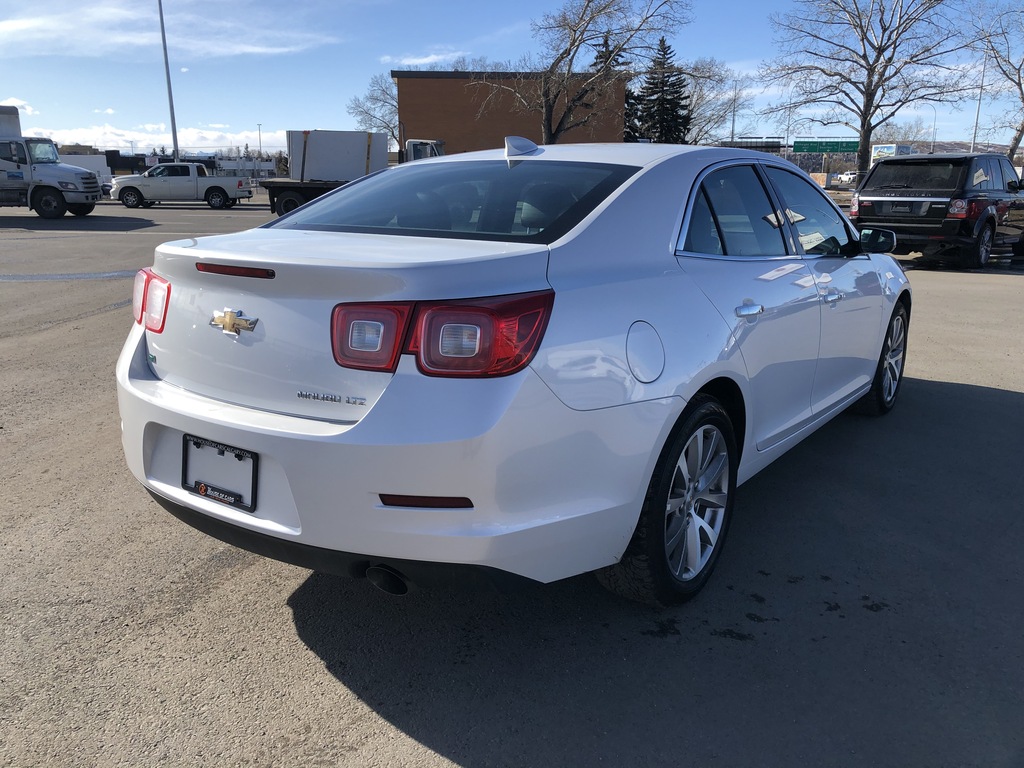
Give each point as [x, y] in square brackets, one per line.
[533, 201]
[12, 152]
[733, 216]
[42, 151]
[819, 227]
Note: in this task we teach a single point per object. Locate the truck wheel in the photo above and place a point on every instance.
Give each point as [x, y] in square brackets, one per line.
[49, 203]
[287, 202]
[131, 197]
[217, 198]
[81, 209]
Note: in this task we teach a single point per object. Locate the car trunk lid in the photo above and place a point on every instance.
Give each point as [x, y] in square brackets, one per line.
[256, 330]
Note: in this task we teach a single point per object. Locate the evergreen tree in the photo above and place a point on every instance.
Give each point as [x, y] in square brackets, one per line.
[632, 122]
[664, 104]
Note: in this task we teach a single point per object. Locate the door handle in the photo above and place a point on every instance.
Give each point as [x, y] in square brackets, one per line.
[832, 297]
[749, 311]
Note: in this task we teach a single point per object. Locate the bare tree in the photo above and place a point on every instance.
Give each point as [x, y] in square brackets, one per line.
[377, 109]
[913, 131]
[718, 96]
[1001, 40]
[564, 81]
[859, 62]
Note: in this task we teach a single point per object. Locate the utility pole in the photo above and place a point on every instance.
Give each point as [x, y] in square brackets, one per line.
[981, 90]
[167, 71]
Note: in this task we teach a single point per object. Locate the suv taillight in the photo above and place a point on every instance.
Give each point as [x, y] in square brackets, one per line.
[854, 206]
[494, 336]
[151, 296]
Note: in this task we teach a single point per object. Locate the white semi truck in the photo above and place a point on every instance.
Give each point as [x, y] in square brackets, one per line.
[32, 175]
[319, 161]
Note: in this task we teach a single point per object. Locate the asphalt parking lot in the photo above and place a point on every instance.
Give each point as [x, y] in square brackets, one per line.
[868, 609]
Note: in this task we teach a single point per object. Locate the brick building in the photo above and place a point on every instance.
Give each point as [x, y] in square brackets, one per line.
[450, 106]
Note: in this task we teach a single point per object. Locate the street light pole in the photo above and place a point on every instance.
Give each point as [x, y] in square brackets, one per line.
[935, 119]
[981, 90]
[259, 132]
[167, 71]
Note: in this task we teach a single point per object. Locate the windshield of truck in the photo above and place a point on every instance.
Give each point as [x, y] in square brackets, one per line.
[42, 151]
[531, 201]
[930, 174]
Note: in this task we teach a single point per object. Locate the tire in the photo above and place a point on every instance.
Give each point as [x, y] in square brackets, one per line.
[49, 203]
[147, 203]
[130, 197]
[230, 203]
[686, 512]
[81, 209]
[885, 387]
[217, 198]
[977, 255]
[287, 202]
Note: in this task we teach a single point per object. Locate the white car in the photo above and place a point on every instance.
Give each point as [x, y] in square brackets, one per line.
[535, 362]
[847, 177]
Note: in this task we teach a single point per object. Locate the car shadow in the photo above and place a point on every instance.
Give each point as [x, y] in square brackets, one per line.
[94, 222]
[866, 611]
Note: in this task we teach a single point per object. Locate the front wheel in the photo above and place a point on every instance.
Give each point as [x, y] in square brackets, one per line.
[978, 254]
[885, 387]
[131, 198]
[217, 199]
[81, 209]
[686, 513]
[50, 204]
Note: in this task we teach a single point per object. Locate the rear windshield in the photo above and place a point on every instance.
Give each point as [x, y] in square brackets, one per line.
[916, 174]
[531, 201]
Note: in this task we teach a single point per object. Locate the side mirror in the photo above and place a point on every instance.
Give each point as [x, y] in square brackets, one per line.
[877, 240]
[1013, 186]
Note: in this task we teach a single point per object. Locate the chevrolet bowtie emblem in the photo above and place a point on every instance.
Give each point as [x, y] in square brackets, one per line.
[233, 321]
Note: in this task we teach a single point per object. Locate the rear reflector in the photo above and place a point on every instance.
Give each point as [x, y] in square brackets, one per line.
[425, 502]
[234, 271]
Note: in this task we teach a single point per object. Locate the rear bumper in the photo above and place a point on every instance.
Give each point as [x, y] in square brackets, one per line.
[555, 492]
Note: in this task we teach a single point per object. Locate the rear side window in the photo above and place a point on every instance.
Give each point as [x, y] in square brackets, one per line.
[533, 201]
[983, 176]
[941, 175]
[733, 216]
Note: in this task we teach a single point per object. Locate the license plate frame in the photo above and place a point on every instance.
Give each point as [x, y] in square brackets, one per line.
[220, 472]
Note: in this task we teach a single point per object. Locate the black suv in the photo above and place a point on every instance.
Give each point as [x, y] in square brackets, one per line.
[963, 205]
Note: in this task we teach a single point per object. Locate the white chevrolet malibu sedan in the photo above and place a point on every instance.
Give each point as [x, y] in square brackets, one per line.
[535, 363]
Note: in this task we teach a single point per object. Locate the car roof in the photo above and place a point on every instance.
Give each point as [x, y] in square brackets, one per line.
[939, 156]
[635, 154]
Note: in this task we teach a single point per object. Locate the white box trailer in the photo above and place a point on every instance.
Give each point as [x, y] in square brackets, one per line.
[319, 161]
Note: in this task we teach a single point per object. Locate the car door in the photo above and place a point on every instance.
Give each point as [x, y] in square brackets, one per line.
[848, 288]
[1011, 224]
[179, 183]
[733, 246]
[15, 172]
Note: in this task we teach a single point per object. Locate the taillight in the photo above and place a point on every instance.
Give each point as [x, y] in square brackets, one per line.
[957, 209]
[369, 336]
[151, 296]
[494, 336]
[854, 206]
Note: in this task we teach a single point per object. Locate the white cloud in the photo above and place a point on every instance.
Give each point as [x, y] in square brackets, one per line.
[107, 111]
[72, 28]
[423, 61]
[184, 69]
[23, 106]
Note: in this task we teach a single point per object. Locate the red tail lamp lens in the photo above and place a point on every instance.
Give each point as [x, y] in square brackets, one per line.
[369, 337]
[151, 295]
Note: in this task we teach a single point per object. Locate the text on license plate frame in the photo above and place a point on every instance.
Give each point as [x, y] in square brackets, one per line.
[220, 472]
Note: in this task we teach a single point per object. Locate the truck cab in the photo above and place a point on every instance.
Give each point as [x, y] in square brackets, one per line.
[32, 175]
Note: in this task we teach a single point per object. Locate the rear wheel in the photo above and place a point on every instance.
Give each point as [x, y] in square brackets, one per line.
[131, 197]
[978, 254]
[287, 202]
[50, 203]
[81, 209]
[217, 198]
[686, 513]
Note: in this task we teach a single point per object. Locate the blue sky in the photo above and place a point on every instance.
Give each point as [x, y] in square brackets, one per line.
[92, 71]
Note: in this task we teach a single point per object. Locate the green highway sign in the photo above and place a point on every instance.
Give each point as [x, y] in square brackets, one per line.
[825, 145]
